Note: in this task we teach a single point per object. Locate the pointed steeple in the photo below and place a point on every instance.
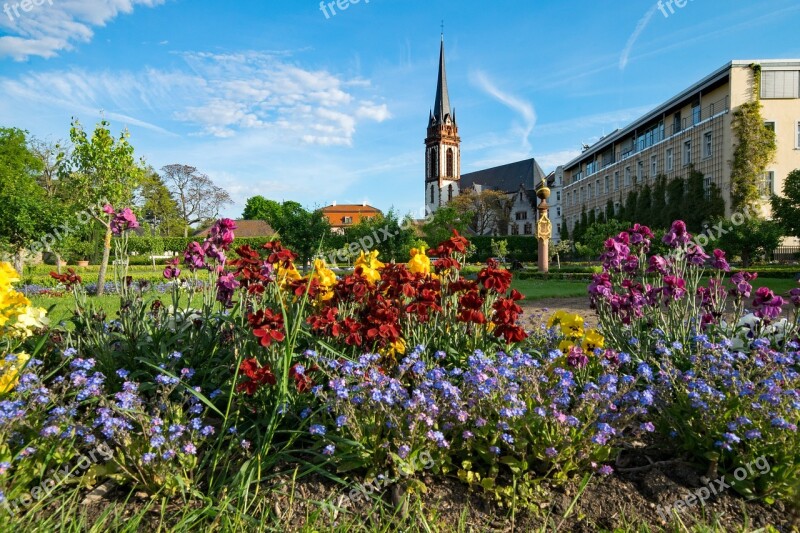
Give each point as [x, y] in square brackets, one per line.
[441, 108]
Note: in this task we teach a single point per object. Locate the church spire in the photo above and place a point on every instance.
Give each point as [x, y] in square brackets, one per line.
[441, 108]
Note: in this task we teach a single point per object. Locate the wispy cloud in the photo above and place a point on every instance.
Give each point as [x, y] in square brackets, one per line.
[56, 25]
[524, 108]
[218, 95]
[640, 27]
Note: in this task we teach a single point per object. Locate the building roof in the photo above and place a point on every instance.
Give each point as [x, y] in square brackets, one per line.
[441, 107]
[246, 228]
[507, 178]
[351, 208]
[709, 80]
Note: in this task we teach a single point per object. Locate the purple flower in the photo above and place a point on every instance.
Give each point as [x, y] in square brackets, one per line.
[317, 429]
[221, 233]
[123, 221]
[576, 357]
[403, 451]
[328, 450]
[677, 236]
[767, 305]
[648, 426]
[194, 257]
[189, 448]
[719, 262]
[605, 470]
[551, 452]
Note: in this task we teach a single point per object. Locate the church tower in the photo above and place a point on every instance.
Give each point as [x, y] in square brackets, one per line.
[442, 147]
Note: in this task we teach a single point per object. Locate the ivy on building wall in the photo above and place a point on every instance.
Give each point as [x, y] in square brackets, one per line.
[755, 150]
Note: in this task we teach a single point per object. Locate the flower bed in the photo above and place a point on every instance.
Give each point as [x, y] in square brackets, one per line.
[395, 372]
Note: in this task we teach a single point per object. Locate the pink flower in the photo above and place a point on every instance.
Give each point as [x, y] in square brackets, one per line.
[123, 221]
[221, 233]
[194, 257]
[577, 358]
[719, 262]
[677, 235]
[108, 209]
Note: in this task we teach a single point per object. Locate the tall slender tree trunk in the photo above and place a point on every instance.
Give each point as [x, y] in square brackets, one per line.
[101, 279]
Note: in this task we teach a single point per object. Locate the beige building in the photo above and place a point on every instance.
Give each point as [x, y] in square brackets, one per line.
[693, 129]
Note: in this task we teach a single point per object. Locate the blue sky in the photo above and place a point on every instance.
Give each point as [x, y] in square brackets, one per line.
[273, 98]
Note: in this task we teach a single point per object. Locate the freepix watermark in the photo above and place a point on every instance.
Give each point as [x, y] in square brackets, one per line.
[42, 491]
[13, 10]
[670, 5]
[759, 467]
[329, 8]
[46, 243]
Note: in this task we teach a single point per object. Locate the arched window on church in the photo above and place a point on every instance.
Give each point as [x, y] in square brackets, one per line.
[450, 193]
[450, 163]
[432, 198]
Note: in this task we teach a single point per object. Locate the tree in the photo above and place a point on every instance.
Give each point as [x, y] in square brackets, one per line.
[392, 237]
[629, 213]
[695, 205]
[484, 211]
[644, 207]
[786, 209]
[658, 219]
[100, 169]
[755, 237]
[440, 226]
[303, 231]
[260, 208]
[198, 198]
[675, 195]
[25, 212]
[159, 209]
[564, 233]
[610, 214]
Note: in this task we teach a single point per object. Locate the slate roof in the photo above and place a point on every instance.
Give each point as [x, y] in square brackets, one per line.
[506, 178]
[442, 104]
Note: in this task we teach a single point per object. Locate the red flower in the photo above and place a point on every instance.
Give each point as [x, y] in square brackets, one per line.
[69, 279]
[255, 377]
[301, 381]
[512, 334]
[495, 278]
[325, 322]
[279, 254]
[456, 243]
[267, 326]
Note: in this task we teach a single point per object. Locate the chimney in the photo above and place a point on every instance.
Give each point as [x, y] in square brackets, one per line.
[334, 203]
[364, 204]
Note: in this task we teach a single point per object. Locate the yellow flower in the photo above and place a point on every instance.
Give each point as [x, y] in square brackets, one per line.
[9, 371]
[565, 346]
[7, 276]
[370, 261]
[420, 262]
[326, 278]
[34, 318]
[12, 303]
[287, 275]
[572, 325]
[395, 348]
[369, 266]
[556, 318]
[592, 341]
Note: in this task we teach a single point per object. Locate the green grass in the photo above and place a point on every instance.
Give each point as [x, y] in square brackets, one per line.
[540, 289]
[62, 308]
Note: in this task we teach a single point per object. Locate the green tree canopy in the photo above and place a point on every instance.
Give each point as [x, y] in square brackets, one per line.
[786, 209]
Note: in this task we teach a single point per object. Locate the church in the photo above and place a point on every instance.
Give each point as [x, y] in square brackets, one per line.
[444, 180]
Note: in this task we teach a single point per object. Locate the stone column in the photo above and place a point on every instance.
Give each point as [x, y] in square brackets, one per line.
[544, 228]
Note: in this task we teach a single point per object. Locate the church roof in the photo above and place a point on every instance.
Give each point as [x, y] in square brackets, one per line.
[507, 178]
[441, 107]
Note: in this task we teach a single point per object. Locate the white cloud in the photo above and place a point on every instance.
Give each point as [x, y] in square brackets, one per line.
[524, 108]
[216, 95]
[56, 25]
[640, 27]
